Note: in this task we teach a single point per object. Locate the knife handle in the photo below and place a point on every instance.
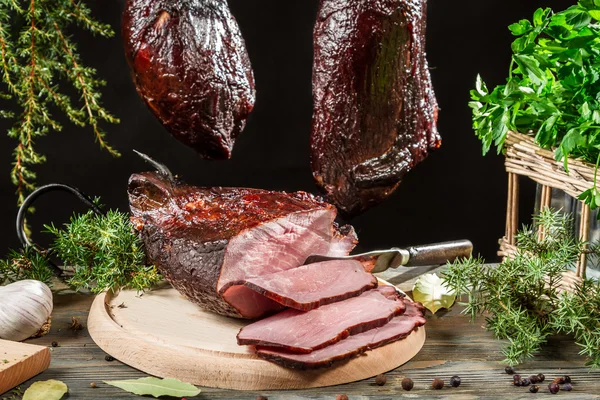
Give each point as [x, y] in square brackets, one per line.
[439, 253]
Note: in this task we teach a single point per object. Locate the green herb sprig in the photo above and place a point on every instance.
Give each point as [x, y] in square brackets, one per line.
[100, 252]
[25, 264]
[522, 298]
[39, 63]
[552, 91]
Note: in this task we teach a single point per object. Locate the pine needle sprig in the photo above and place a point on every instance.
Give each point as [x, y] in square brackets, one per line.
[523, 298]
[25, 264]
[37, 57]
[104, 252]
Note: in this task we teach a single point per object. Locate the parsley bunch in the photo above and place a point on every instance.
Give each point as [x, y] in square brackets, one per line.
[553, 88]
[522, 298]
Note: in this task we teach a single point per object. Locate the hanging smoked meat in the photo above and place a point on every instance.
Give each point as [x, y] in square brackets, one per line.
[191, 67]
[375, 111]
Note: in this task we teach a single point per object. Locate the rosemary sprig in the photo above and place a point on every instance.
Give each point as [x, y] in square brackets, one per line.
[36, 55]
[522, 297]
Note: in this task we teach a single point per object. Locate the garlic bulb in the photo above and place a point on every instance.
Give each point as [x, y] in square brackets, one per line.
[24, 307]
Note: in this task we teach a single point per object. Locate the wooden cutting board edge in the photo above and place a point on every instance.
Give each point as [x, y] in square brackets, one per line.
[159, 357]
[24, 362]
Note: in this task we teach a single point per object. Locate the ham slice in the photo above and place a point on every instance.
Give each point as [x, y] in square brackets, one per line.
[398, 328]
[314, 285]
[304, 332]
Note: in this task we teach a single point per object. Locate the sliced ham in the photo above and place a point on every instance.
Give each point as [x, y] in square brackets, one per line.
[314, 285]
[398, 328]
[304, 332]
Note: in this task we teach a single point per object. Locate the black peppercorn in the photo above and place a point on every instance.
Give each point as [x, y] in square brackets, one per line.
[566, 379]
[558, 380]
[93, 385]
[541, 377]
[509, 370]
[437, 384]
[380, 379]
[407, 384]
[262, 398]
[553, 388]
[568, 387]
[54, 344]
[533, 379]
[109, 358]
[517, 380]
[525, 382]
[534, 389]
[455, 381]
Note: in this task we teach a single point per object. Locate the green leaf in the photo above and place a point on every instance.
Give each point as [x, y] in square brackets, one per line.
[530, 66]
[520, 44]
[577, 17]
[595, 14]
[481, 87]
[540, 16]
[586, 195]
[156, 387]
[46, 390]
[570, 142]
[431, 291]
[520, 28]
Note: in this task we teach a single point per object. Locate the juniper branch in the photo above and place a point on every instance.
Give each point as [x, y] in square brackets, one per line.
[36, 55]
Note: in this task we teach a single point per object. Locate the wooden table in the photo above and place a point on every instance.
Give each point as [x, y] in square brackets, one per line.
[454, 346]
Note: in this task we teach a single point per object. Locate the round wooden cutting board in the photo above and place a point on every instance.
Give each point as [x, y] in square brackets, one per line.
[165, 335]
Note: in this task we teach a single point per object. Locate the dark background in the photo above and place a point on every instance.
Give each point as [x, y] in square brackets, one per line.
[455, 193]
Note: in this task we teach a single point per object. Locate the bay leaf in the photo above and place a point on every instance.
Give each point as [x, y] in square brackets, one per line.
[430, 291]
[156, 387]
[46, 390]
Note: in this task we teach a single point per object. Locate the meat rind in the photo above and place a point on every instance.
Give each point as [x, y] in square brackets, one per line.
[375, 111]
[191, 67]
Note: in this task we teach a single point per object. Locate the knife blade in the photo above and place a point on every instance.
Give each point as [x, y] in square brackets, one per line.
[381, 260]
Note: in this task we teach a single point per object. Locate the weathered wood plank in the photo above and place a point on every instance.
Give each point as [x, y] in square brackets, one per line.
[454, 346]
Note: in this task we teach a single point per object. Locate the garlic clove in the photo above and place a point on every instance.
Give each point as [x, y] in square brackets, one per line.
[24, 307]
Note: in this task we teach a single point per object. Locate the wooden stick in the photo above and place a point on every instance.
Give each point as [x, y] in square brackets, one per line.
[548, 197]
[508, 232]
[545, 202]
[515, 207]
[584, 234]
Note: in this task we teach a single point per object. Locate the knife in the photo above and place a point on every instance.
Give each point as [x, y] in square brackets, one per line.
[381, 260]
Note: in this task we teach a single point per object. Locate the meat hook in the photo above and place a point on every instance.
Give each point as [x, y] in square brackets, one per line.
[161, 168]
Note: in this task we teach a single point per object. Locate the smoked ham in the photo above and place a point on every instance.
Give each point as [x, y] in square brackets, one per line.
[190, 66]
[375, 111]
[305, 332]
[398, 328]
[314, 285]
[207, 241]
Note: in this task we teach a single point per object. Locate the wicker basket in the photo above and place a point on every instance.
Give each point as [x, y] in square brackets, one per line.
[525, 158]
